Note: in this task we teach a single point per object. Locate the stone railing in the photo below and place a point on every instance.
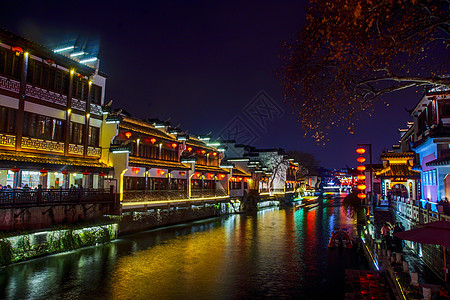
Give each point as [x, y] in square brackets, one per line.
[16, 198]
[96, 109]
[78, 104]
[414, 210]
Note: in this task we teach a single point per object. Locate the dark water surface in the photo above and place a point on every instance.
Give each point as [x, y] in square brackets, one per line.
[275, 253]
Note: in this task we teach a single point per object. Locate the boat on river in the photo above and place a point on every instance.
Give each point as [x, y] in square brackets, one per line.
[340, 238]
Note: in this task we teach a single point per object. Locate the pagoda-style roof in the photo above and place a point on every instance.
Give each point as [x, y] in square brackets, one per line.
[144, 127]
[157, 163]
[9, 159]
[407, 155]
[398, 170]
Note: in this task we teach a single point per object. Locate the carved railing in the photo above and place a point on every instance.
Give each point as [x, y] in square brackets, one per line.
[94, 152]
[45, 95]
[43, 145]
[208, 193]
[78, 104]
[9, 84]
[96, 109]
[76, 149]
[7, 140]
[15, 198]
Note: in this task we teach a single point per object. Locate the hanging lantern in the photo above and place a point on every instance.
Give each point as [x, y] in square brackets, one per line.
[189, 149]
[197, 174]
[214, 153]
[15, 169]
[361, 159]
[360, 168]
[361, 177]
[203, 151]
[161, 172]
[360, 150]
[182, 173]
[128, 134]
[361, 195]
[101, 174]
[153, 140]
[18, 50]
[85, 173]
[135, 170]
[239, 178]
[65, 172]
[43, 171]
[174, 145]
[361, 187]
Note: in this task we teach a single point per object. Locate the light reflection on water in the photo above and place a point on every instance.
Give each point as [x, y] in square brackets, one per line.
[272, 253]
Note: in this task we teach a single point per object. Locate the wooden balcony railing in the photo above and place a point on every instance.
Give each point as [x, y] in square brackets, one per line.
[167, 195]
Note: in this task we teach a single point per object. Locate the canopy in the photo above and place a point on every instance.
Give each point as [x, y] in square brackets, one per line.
[436, 233]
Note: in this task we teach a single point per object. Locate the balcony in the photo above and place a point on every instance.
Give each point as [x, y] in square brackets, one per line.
[170, 195]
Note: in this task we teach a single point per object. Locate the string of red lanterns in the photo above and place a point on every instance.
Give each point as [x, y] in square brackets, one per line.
[361, 187]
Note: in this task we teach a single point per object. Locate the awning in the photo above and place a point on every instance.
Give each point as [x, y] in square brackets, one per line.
[36, 161]
[445, 161]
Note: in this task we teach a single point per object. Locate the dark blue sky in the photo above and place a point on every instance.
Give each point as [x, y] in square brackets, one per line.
[199, 63]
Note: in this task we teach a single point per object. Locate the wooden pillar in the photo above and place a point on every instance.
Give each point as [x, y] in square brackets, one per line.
[87, 119]
[20, 112]
[68, 114]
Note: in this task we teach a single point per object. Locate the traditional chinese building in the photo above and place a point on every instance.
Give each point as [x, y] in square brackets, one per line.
[50, 116]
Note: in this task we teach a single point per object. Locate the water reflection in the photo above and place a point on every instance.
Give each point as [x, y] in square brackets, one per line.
[272, 253]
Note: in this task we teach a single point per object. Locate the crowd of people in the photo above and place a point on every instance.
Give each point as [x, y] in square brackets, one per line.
[443, 206]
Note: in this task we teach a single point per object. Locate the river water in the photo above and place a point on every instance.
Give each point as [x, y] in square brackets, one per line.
[274, 253]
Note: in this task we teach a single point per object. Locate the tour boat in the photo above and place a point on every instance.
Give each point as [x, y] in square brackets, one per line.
[340, 238]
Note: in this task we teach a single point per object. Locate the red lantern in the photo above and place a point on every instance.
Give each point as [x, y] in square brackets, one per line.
[360, 168]
[182, 173]
[18, 50]
[361, 187]
[360, 150]
[221, 176]
[15, 169]
[239, 178]
[361, 177]
[43, 171]
[189, 149]
[85, 173]
[101, 174]
[198, 174]
[174, 145]
[65, 172]
[128, 134]
[361, 159]
[214, 153]
[153, 140]
[161, 172]
[361, 195]
[203, 151]
[135, 170]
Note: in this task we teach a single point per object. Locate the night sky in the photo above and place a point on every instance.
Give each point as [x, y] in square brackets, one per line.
[200, 63]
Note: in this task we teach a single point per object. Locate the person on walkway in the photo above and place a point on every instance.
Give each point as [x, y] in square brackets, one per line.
[398, 241]
[386, 236]
[446, 206]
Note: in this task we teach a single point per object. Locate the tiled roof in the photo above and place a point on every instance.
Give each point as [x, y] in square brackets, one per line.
[10, 159]
[143, 127]
[398, 170]
[237, 172]
[445, 161]
[398, 155]
[201, 168]
[157, 163]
